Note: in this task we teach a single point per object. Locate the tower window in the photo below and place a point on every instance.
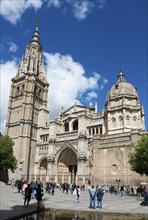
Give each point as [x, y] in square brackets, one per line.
[101, 129]
[121, 121]
[96, 130]
[89, 131]
[66, 125]
[75, 125]
[113, 122]
[93, 131]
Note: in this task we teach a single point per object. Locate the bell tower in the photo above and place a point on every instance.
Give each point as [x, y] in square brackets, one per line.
[27, 108]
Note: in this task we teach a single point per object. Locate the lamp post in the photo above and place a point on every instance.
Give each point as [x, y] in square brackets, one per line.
[118, 181]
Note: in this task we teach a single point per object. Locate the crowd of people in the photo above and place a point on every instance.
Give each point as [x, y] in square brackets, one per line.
[35, 190]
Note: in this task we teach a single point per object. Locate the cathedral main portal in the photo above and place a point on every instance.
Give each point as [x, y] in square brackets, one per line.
[67, 166]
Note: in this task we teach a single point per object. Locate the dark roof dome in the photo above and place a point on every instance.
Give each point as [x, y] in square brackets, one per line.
[122, 88]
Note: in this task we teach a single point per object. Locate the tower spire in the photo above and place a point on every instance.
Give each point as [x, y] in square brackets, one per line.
[36, 37]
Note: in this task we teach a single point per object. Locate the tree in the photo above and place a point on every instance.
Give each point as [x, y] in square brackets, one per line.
[138, 159]
[7, 159]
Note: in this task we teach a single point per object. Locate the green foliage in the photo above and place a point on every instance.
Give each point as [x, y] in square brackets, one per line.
[138, 159]
[7, 160]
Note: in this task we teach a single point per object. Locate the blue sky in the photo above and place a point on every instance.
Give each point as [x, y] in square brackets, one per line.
[87, 41]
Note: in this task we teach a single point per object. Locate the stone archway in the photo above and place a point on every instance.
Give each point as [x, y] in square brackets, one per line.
[67, 165]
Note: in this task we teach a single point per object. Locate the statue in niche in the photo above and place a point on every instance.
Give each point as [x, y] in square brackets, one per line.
[38, 92]
[21, 90]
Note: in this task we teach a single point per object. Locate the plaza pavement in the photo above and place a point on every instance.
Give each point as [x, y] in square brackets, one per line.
[11, 204]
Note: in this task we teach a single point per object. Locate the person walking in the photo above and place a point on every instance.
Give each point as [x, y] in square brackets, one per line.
[39, 194]
[76, 193]
[100, 195]
[28, 192]
[25, 184]
[139, 192]
[122, 191]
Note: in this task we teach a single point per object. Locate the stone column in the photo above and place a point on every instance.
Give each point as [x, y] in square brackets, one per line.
[47, 178]
[76, 180]
[62, 178]
[69, 179]
[84, 179]
[50, 162]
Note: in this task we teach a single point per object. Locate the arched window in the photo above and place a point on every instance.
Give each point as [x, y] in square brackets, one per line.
[114, 169]
[135, 121]
[90, 131]
[66, 126]
[113, 122]
[101, 129]
[93, 131]
[96, 130]
[127, 117]
[128, 122]
[75, 125]
[120, 121]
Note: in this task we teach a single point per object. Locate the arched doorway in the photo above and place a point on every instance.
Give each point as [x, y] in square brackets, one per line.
[43, 169]
[67, 166]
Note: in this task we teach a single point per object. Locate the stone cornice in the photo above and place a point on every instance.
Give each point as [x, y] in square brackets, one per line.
[115, 144]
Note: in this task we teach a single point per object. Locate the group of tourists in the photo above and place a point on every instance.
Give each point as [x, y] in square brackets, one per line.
[94, 194]
[33, 190]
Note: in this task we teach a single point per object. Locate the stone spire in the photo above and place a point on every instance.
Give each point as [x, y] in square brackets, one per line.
[36, 38]
[32, 62]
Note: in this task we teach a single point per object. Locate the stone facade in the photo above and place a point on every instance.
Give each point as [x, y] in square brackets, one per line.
[80, 145]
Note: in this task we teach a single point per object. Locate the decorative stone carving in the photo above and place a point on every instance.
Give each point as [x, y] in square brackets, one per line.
[51, 158]
[82, 156]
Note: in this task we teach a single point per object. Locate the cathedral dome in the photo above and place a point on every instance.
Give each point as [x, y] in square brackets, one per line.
[122, 88]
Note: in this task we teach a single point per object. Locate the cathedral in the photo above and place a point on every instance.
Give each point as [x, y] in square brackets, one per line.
[81, 145]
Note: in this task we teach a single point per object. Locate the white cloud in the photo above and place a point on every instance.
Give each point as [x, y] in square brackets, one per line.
[82, 8]
[91, 95]
[55, 3]
[67, 80]
[13, 47]
[12, 11]
[36, 4]
[7, 71]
